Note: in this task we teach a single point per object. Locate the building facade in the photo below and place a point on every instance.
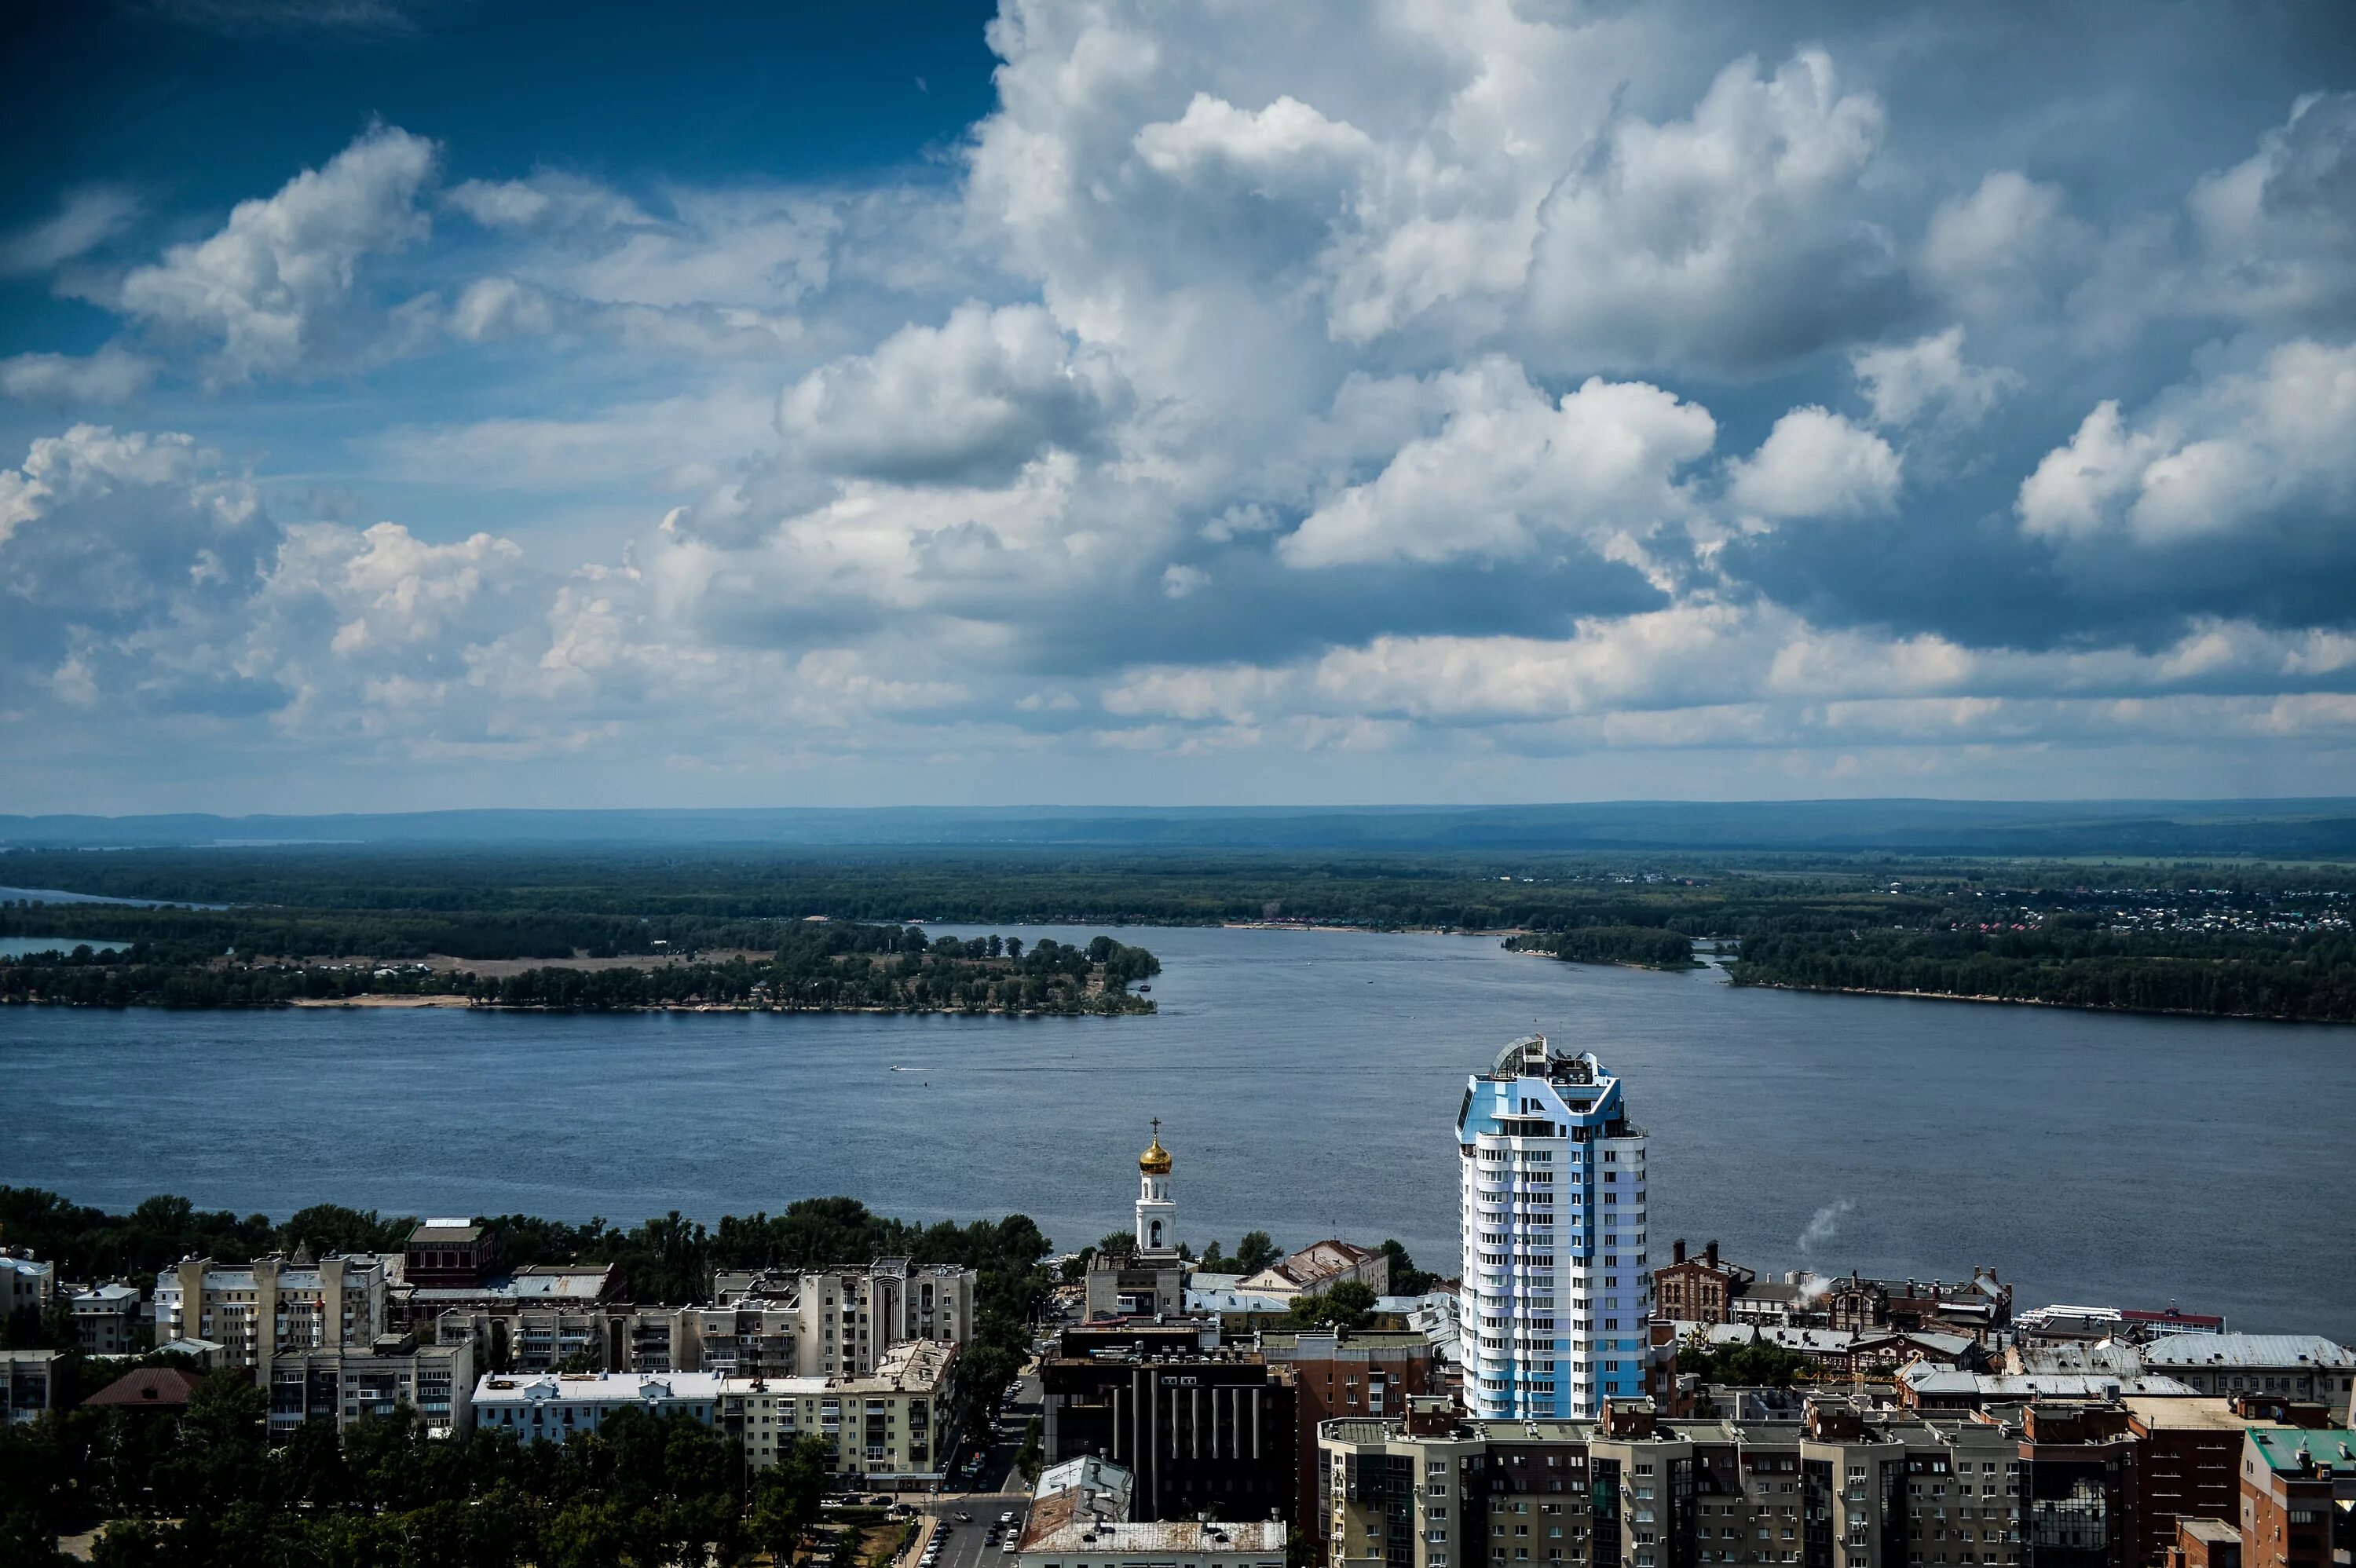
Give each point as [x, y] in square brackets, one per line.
[339, 1386]
[1150, 1280]
[888, 1427]
[1432, 1489]
[2303, 1367]
[26, 1284]
[1699, 1289]
[260, 1310]
[1204, 1429]
[105, 1318]
[2298, 1498]
[1337, 1375]
[557, 1408]
[1557, 1286]
[29, 1383]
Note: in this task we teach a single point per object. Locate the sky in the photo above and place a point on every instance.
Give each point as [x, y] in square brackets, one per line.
[429, 403]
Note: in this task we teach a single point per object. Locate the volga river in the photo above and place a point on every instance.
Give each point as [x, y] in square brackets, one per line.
[1307, 1083]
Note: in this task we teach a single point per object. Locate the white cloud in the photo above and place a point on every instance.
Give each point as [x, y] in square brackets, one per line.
[111, 375]
[1928, 379]
[2002, 248]
[267, 291]
[2277, 232]
[1815, 463]
[1509, 468]
[974, 398]
[2274, 446]
[1729, 239]
[87, 219]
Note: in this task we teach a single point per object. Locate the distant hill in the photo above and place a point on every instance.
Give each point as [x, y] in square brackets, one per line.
[2273, 829]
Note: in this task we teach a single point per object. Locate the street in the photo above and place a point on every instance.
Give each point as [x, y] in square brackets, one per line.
[994, 1489]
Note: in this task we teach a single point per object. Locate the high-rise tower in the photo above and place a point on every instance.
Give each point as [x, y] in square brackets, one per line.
[1556, 1293]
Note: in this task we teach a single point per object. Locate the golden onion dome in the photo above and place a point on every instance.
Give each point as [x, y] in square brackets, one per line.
[1155, 1160]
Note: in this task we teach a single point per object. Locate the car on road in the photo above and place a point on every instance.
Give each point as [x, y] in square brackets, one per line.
[1007, 1517]
[963, 1517]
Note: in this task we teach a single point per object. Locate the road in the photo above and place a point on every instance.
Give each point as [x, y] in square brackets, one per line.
[995, 1489]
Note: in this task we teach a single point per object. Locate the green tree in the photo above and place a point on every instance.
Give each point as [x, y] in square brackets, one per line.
[1347, 1306]
[1255, 1252]
[1406, 1278]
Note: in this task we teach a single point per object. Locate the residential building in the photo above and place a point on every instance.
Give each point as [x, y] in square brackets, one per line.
[2188, 1467]
[1840, 1488]
[541, 1287]
[1319, 1267]
[1205, 1428]
[1700, 1289]
[105, 1318]
[839, 1321]
[342, 1385]
[553, 1408]
[2303, 1367]
[1840, 1352]
[262, 1309]
[2299, 1498]
[1928, 1386]
[2061, 1324]
[26, 1284]
[888, 1427]
[1979, 1306]
[27, 1383]
[1343, 1374]
[450, 1253]
[156, 1390]
[1060, 1532]
[1150, 1280]
[1557, 1288]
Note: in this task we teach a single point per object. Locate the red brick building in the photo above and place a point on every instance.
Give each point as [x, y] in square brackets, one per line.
[1699, 1290]
[2298, 1497]
[1343, 1374]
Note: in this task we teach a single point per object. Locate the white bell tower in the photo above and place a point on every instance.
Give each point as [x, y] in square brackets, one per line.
[1157, 1215]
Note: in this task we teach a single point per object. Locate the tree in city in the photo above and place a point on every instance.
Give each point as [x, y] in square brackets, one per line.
[1255, 1252]
[1349, 1305]
[1406, 1278]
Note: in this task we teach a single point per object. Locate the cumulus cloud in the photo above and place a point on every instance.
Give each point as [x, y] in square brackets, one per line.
[111, 375]
[1928, 379]
[1729, 241]
[268, 292]
[1510, 468]
[2271, 449]
[1815, 463]
[2003, 247]
[2278, 229]
[972, 399]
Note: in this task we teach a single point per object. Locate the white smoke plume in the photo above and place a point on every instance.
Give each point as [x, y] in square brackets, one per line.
[1824, 1225]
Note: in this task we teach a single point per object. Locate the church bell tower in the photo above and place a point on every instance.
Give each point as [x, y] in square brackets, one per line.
[1157, 1215]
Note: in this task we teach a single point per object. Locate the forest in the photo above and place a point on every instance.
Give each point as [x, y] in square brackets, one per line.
[637, 1494]
[825, 965]
[278, 923]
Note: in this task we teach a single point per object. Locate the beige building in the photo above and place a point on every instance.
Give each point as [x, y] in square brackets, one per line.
[26, 1285]
[1318, 1268]
[342, 1385]
[1434, 1489]
[260, 1310]
[1058, 1534]
[833, 1321]
[29, 1383]
[890, 1426]
[105, 1318]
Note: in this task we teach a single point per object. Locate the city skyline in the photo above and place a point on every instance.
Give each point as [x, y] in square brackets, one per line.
[413, 404]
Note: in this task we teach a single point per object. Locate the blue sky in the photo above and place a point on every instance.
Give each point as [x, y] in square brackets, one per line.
[443, 403]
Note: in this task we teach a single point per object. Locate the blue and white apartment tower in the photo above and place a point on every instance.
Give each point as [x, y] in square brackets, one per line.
[1557, 1293]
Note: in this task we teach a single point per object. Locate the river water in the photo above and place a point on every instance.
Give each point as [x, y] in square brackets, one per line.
[1307, 1083]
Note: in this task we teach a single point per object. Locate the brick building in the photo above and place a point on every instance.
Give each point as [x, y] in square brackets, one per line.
[1344, 1374]
[2299, 1498]
[1700, 1289]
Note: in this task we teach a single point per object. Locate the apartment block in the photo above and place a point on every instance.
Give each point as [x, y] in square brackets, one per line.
[1556, 1286]
[2299, 1498]
[26, 1284]
[259, 1311]
[105, 1318]
[29, 1383]
[1340, 1373]
[556, 1408]
[1835, 1490]
[337, 1387]
[888, 1427]
[833, 1321]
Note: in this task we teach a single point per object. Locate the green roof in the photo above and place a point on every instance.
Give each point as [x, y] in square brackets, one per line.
[2280, 1446]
